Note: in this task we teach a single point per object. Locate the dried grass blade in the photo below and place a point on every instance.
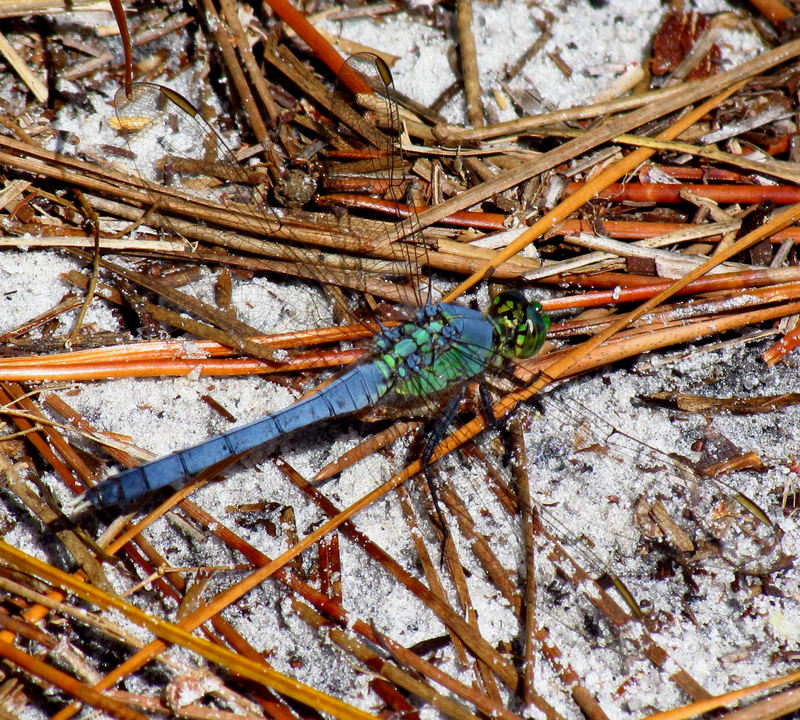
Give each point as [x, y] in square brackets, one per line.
[377, 664]
[775, 168]
[428, 566]
[731, 79]
[176, 634]
[228, 330]
[714, 703]
[67, 683]
[468, 635]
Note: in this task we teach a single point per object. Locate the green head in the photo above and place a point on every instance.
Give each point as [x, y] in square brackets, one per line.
[520, 326]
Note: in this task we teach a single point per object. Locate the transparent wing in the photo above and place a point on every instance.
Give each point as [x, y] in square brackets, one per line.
[638, 553]
[200, 192]
[376, 162]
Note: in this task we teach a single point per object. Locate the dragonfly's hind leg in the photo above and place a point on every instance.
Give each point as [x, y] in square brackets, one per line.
[438, 431]
[440, 428]
[435, 436]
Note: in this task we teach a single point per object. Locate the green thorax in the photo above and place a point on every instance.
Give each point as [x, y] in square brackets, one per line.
[444, 344]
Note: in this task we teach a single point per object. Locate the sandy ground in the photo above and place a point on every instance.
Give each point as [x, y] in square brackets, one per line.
[715, 621]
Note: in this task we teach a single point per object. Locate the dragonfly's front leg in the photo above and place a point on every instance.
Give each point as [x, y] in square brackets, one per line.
[487, 409]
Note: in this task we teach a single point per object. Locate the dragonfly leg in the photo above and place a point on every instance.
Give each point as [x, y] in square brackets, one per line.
[487, 409]
[438, 431]
[437, 505]
[499, 423]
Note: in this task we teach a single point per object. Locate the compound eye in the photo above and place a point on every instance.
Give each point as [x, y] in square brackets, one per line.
[508, 304]
[531, 336]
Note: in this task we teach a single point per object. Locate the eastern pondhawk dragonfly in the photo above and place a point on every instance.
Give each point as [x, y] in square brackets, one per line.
[437, 349]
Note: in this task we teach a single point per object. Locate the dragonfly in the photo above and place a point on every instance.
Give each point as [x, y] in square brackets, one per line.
[438, 348]
[434, 353]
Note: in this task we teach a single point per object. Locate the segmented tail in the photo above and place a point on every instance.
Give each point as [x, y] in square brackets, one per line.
[356, 389]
